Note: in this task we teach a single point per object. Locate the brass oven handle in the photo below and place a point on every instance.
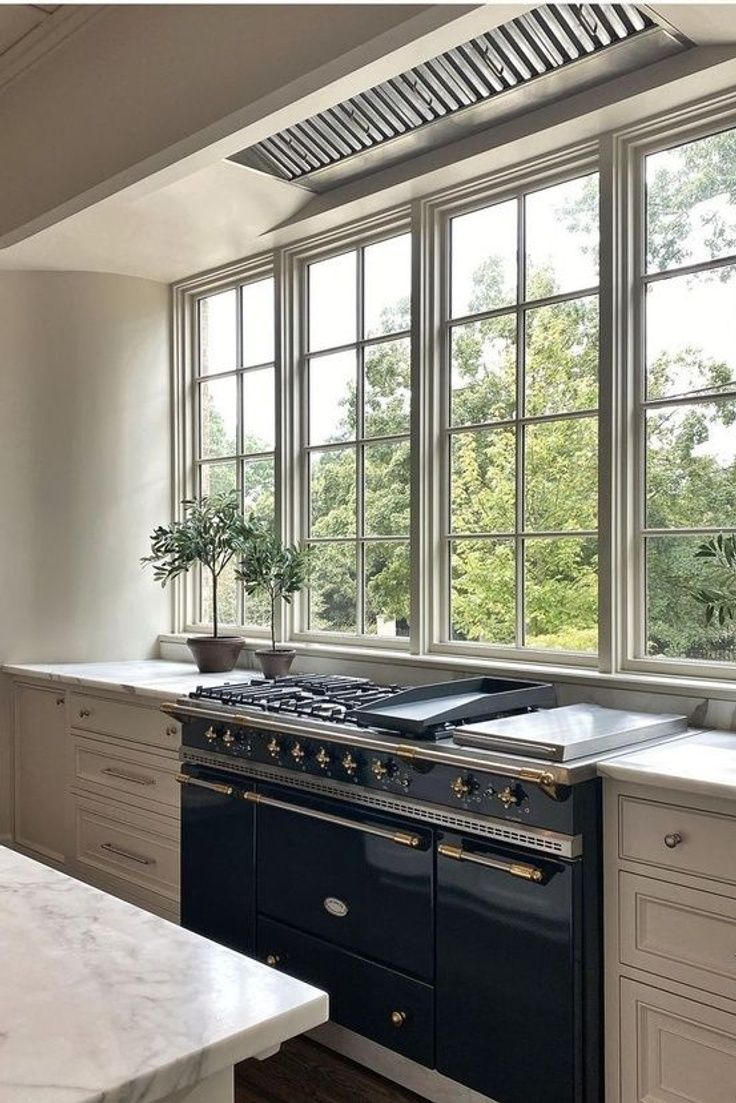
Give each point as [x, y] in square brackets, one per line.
[403, 838]
[214, 786]
[139, 858]
[516, 869]
[137, 779]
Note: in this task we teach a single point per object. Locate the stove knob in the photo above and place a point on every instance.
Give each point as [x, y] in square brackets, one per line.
[228, 737]
[349, 763]
[273, 747]
[210, 735]
[462, 787]
[379, 769]
[510, 797]
[323, 758]
[297, 752]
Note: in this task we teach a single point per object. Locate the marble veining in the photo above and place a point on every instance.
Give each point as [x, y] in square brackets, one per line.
[703, 762]
[159, 679]
[101, 1002]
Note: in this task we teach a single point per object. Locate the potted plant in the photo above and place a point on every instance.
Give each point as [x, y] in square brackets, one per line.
[212, 532]
[277, 571]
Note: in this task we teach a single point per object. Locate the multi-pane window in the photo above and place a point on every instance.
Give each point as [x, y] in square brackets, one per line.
[355, 411]
[236, 422]
[688, 390]
[521, 425]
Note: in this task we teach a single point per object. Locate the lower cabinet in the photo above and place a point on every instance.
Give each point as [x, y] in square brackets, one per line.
[39, 750]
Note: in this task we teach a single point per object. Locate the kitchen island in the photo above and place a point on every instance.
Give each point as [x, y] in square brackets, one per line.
[100, 1000]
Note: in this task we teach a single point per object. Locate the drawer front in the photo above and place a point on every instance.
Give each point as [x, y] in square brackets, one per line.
[682, 839]
[138, 848]
[674, 1050]
[126, 771]
[107, 717]
[680, 933]
[391, 1009]
[360, 890]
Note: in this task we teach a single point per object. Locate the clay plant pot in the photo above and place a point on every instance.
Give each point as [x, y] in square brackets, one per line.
[215, 654]
[275, 664]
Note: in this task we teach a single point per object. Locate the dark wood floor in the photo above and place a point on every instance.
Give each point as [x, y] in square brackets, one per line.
[304, 1072]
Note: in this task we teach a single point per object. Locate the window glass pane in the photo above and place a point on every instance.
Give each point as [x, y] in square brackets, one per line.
[691, 465]
[227, 597]
[217, 478]
[482, 591]
[332, 492]
[387, 282]
[258, 322]
[217, 333]
[387, 489]
[259, 410]
[561, 594]
[387, 589]
[676, 625]
[218, 414]
[258, 489]
[332, 302]
[483, 481]
[387, 388]
[690, 333]
[562, 238]
[484, 259]
[332, 588]
[561, 475]
[332, 398]
[483, 371]
[562, 357]
[691, 202]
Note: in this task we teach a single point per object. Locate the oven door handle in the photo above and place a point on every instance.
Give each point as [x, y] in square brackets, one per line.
[402, 838]
[213, 786]
[515, 869]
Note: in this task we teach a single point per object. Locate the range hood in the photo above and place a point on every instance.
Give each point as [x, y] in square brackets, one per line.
[543, 54]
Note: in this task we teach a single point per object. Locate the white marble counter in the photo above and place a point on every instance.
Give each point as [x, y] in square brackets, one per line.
[102, 1001]
[146, 678]
[702, 762]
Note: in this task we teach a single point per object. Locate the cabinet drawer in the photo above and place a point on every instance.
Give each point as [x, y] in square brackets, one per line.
[142, 725]
[122, 771]
[379, 1003]
[680, 933]
[140, 848]
[674, 1050]
[686, 840]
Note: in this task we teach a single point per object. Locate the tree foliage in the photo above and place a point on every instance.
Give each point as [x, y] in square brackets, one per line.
[273, 570]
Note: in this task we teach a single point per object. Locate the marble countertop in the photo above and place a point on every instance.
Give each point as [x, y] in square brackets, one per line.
[701, 762]
[100, 1000]
[146, 678]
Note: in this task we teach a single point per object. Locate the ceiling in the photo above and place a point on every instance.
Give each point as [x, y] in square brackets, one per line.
[213, 212]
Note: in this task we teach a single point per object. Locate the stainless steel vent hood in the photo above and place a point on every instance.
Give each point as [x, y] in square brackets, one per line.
[546, 52]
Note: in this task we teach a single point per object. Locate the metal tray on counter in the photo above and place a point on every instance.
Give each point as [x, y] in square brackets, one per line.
[424, 709]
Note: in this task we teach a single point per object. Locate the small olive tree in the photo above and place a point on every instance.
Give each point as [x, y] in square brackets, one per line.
[274, 569]
[212, 532]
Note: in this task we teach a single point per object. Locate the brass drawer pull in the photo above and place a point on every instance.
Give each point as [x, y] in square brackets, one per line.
[172, 729]
[214, 786]
[137, 779]
[60, 700]
[131, 857]
[672, 840]
[515, 869]
[84, 713]
[272, 960]
[398, 1019]
[403, 838]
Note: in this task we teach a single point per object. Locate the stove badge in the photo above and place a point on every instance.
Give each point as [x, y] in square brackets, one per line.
[335, 907]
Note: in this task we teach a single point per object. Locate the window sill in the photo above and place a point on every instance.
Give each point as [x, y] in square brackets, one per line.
[452, 665]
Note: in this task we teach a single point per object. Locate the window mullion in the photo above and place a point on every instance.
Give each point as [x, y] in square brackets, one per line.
[519, 543]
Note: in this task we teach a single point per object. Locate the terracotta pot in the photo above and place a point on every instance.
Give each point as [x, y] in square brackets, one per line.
[215, 654]
[275, 664]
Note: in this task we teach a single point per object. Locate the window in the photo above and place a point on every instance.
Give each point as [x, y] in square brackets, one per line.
[521, 425]
[355, 407]
[687, 415]
[235, 419]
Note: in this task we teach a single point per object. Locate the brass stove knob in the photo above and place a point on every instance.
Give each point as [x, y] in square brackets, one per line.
[322, 758]
[349, 763]
[273, 747]
[462, 786]
[379, 769]
[210, 735]
[398, 1018]
[297, 752]
[509, 797]
[228, 737]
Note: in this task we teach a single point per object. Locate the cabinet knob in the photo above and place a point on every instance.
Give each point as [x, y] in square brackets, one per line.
[171, 730]
[398, 1018]
[60, 700]
[272, 959]
[83, 713]
[673, 840]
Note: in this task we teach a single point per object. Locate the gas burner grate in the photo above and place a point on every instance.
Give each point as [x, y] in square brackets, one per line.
[330, 697]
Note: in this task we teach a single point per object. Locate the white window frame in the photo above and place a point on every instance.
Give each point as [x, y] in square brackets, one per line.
[629, 151]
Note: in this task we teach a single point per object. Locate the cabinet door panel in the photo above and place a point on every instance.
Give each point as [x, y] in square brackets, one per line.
[40, 736]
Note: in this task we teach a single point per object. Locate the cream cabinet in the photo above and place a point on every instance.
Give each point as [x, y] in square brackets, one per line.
[670, 888]
[96, 791]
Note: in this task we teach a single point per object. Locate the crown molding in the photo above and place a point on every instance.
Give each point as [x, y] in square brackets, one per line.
[42, 39]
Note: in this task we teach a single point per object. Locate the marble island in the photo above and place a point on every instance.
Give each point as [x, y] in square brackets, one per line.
[102, 1001]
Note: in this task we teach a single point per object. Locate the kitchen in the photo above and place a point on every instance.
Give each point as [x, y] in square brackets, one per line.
[432, 312]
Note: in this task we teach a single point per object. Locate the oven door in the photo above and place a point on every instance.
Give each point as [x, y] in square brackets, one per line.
[217, 858]
[508, 987]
